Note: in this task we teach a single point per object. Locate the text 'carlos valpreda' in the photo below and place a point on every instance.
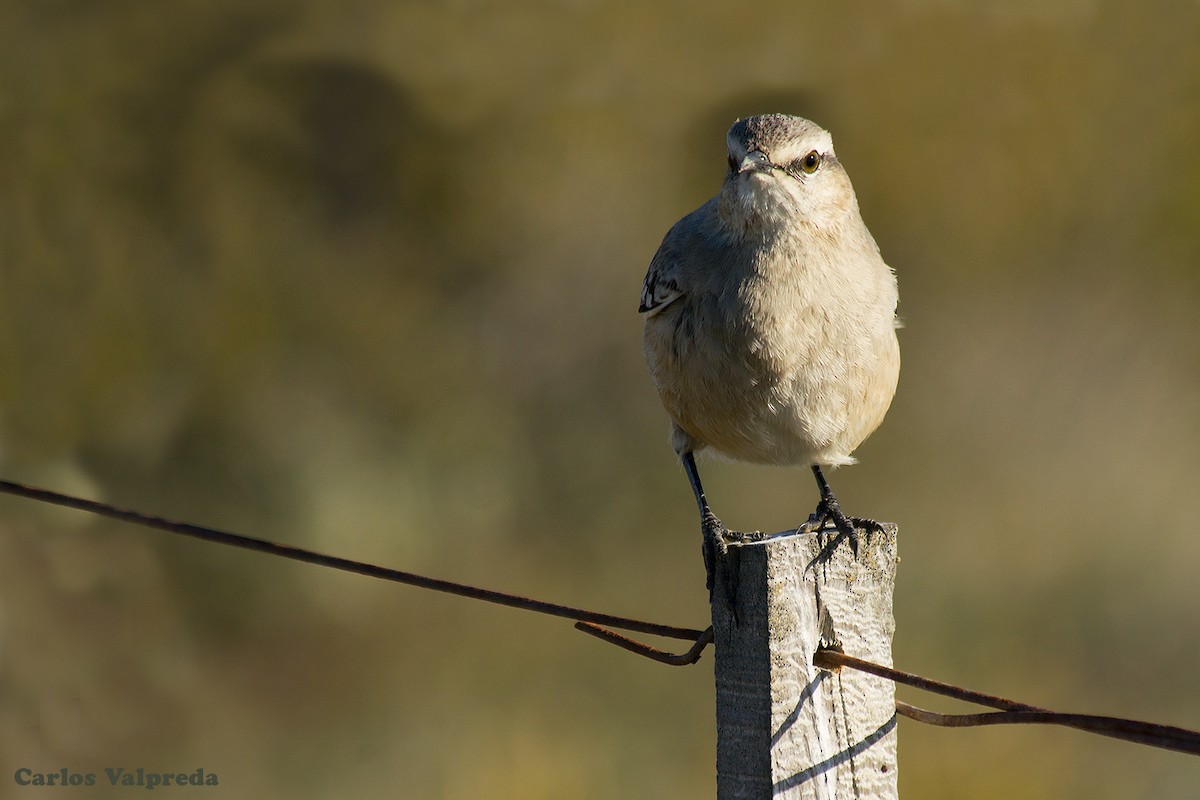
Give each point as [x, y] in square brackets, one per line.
[115, 776]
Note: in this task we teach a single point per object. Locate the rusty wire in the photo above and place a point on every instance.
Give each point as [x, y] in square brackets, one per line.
[1167, 737]
[344, 564]
[1009, 711]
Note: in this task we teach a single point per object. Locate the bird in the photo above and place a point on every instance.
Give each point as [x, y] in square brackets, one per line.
[770, 318]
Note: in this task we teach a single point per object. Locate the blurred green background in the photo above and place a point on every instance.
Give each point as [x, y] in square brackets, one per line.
[363, 277]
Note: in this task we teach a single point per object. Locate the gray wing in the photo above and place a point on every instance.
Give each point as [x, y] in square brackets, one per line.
[661, 287]
[664, 282]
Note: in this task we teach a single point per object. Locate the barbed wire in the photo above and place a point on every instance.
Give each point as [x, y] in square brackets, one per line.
[598, 624]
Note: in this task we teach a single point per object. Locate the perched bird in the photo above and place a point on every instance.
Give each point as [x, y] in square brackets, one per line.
[771, 317]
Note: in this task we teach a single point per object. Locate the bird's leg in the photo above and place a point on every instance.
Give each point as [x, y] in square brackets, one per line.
[716, 536]
[828, 509]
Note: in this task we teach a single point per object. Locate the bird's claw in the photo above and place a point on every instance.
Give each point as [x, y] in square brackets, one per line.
[721, 563]
[715, 548]
[829, 511]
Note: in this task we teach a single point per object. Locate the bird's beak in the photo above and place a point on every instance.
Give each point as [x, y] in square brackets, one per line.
[755, 161]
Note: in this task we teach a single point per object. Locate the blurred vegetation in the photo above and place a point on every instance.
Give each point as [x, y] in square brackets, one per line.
[362, 276]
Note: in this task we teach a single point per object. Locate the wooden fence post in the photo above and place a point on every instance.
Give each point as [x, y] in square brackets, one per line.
[785, 728]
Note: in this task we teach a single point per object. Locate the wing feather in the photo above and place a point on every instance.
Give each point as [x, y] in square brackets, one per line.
[662, 286]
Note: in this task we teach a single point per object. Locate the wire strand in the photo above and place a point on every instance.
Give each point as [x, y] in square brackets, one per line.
[1167, 737]
[344, 564]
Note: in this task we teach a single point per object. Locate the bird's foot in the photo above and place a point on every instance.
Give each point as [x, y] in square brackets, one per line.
[829, 511]
[715, 548]
[721, 562]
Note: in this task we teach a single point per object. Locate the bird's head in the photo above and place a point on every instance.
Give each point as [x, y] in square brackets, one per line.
[783, 172]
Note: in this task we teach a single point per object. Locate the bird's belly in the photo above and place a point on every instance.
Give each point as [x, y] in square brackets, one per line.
[813, 403]
[746, 416]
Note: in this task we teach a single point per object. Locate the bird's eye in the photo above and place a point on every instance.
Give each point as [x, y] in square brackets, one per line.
[810, 162]
[733, 165]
